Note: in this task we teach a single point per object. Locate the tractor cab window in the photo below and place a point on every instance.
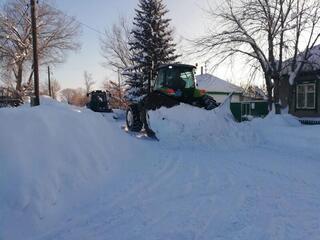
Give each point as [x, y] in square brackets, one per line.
[175, 78]
[188, 77]
[160, 82]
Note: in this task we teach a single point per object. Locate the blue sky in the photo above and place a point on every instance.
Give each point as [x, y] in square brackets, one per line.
[98, 14]
[187, 18]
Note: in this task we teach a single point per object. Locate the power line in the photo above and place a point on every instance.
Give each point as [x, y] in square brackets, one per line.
[24, 13]
[82, 23]
[91, 28]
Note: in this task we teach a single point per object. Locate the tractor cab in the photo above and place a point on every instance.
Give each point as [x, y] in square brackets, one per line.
[177, 80]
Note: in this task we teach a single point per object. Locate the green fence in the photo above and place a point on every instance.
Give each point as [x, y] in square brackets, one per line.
[242, 111]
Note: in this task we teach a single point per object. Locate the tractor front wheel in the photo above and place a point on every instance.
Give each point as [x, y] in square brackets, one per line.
[133, 120]
[209, 102]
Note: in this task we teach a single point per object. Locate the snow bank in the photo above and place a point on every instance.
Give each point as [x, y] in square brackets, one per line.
[47, 154]
[285, 131]
[56, 161]
[283, 120]
[188, 127]
[185, 126]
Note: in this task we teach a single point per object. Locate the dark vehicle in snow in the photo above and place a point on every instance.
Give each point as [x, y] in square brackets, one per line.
[98, 101]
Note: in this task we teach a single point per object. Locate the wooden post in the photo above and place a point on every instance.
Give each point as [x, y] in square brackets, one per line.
[119, 85]
[36, 100]
[49, 82]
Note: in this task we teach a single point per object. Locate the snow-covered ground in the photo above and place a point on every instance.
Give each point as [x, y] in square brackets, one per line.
[69, 173]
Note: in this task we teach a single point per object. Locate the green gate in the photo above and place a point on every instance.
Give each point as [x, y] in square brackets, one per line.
[243, 111]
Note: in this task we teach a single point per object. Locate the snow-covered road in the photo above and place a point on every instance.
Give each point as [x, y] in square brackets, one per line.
[206, 179]
[205, 196]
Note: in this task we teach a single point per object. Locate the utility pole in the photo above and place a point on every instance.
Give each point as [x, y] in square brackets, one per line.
[206, 66]
[49, 82]
[36, 100]
[119, 84]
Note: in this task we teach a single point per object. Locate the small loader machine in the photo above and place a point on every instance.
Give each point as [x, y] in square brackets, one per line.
[98, 101]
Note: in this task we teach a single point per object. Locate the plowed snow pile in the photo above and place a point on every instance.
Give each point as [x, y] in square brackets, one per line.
[187, 126]
[67, 173]
[48, 154]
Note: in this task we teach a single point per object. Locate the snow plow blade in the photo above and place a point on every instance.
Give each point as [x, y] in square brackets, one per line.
[226, 102]
[143, 135]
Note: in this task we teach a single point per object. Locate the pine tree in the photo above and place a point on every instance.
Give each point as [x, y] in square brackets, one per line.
[152, 45]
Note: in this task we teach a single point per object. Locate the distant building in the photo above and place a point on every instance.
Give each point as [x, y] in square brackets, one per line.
[254, 93]
[9, 98]
[219, 89]
[243, 107]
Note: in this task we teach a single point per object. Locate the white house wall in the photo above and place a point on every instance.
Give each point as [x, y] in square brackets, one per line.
[220, 97]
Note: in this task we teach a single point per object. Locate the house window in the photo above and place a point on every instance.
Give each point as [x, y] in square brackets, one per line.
[306, 96]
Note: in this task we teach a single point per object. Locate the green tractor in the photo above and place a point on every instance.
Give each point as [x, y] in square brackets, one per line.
[174, 84]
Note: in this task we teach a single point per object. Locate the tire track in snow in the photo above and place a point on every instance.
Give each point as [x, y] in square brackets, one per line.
[114, 212]
[143, 185]
[163, 200]
[164, 177]
[277, 174]
[210, 207]
[142, 191]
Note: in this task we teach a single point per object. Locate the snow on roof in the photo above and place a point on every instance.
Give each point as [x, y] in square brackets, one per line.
[214, 84]
[311, 62]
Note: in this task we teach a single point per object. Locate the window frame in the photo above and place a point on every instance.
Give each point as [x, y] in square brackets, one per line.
[305, 93]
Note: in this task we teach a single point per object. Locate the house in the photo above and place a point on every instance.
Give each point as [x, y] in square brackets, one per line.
[303, 97]
[242, 106]
[219, 89]
[254, 92]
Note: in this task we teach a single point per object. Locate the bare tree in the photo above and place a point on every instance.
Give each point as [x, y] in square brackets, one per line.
[266, 32]
[88, 81]
[55, 88]
[116, 91]
[56, 35]
[67, 95]
[75, 97]
[115, 46]
[6, 79]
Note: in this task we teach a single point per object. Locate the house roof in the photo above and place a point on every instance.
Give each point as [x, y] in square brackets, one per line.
[255, 92]
[311, 64]
[211, 83]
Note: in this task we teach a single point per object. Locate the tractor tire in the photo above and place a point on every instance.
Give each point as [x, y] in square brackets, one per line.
[133, 120]
[209, 103]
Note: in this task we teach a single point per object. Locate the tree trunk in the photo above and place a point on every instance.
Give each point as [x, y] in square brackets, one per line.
[30, 79]
[277, 96]
[291, 101]
[18, 76]
[269, 91]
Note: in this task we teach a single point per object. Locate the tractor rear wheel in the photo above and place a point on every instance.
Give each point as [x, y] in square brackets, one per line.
[133, 120]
